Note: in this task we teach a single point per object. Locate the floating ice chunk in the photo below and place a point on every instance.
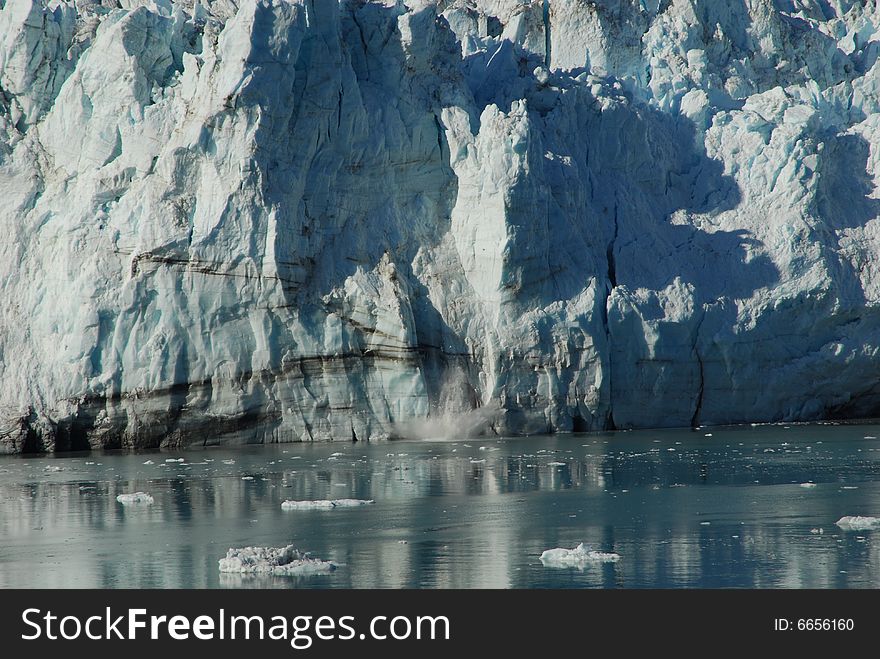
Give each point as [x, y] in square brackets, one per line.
[173, 459]
[284, 561]
[857, 523]
[325, 504]
[351, 503]
[808, 485]
[52, 468]
[579, 557]
[149, 462]
[136, 498]
[306, 505]
[555, 464]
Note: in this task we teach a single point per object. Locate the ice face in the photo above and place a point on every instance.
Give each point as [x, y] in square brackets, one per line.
[284, 561]
[303, 220]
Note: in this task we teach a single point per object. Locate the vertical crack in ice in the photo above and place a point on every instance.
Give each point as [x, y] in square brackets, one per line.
[609, 253]
[695, 419]
[698, 408]
[546, 16]
[609, 288]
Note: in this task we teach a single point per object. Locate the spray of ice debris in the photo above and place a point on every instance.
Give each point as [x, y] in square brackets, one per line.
[457, 414]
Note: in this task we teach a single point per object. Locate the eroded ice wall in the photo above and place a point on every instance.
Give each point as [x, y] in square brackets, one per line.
[319, 220]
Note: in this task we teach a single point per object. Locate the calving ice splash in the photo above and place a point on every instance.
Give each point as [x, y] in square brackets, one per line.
[295, 219]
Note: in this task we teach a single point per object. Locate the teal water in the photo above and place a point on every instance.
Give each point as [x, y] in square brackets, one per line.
[681, 508]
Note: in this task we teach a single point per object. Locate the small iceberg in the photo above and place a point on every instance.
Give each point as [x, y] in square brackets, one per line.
[135, 498]
[857, 523]
[283, 561]
[579, 557]
[808, 486]
[326, 504]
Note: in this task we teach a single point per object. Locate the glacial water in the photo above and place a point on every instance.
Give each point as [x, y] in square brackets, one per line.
[693, 509]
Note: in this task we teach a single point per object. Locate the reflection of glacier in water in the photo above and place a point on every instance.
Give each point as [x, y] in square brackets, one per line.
[679, 508]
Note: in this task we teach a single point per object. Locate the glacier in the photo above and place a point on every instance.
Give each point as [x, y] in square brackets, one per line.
[295, 220]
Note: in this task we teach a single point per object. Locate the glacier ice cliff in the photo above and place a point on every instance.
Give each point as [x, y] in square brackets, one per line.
[321, 219]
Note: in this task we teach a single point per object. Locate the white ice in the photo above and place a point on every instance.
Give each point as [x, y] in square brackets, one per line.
[325, 504]
[579, 557]
[135, 498]
[858, 523]
[441, 218]
[284, 561]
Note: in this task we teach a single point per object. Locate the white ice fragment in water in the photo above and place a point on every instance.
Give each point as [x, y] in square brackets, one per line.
[229, 462]
[247, 478]
[284, 561]
[857, 523]
[173, 459]
[135, 498]
[52, 468]
[808, 485]
[324, 504]
[149, 462]
[555, 464]
[579, 557]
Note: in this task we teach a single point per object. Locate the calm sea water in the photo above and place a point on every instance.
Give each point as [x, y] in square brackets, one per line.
[692, 509]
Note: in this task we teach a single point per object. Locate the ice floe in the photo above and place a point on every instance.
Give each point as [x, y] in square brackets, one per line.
[324, 504]
[135, 498]
[858, 523]
[579, 557]
[283, 561]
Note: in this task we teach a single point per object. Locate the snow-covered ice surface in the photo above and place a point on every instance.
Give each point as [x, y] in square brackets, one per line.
[135, 498]
[314, 220]
[324, 504]
[284, 561]
[857, 523]
[579, 557]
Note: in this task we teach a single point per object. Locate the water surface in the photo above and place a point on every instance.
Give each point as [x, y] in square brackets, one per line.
[711, 508]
